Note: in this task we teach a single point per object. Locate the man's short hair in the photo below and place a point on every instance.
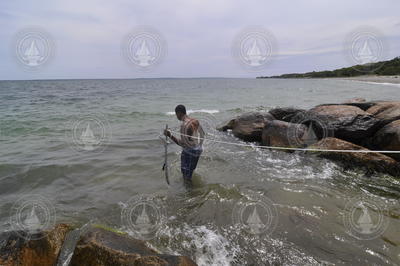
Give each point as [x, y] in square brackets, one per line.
[180, 109]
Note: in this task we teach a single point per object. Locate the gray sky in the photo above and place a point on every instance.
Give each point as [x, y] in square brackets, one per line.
[88, 34]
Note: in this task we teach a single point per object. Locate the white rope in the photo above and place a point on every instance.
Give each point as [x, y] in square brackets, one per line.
[285, 148]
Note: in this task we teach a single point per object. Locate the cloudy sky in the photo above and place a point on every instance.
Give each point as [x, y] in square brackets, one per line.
[88, 34]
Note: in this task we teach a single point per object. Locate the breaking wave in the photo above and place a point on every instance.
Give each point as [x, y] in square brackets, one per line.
[197, 111]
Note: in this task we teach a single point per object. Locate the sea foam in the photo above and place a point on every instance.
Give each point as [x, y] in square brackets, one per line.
[196, 111]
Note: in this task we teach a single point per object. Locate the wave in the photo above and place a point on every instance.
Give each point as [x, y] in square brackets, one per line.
[382, 83]
[205, 244]
[208, 111]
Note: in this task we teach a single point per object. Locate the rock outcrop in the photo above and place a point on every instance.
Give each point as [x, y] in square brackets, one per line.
[285, 114]
[388, 138]
[372, 161]
[248, 126]
[283, 134]
[387, 112]
[99, 247]
[96, 247]
[17, 249]
[349, 123]
[356, 102]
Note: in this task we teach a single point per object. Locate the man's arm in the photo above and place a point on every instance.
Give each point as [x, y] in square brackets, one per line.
[174, 139]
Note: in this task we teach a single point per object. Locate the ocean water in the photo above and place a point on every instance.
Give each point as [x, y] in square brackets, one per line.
[42, 124]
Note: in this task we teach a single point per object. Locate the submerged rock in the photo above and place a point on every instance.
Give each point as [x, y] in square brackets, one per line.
[373, 161]
[349, 123]
[17, 249]
[99, 247]
[248, 126]
[388, 138]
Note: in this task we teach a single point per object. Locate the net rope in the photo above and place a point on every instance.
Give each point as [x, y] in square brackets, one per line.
[283, 148]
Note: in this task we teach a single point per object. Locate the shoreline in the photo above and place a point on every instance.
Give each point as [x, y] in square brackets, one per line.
[374, 79]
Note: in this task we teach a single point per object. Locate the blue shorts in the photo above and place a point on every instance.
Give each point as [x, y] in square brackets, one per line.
[189, 159]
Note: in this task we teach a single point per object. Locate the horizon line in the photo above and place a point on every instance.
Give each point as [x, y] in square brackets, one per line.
[55, 79]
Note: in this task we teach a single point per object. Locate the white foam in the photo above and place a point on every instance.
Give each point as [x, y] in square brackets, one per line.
[211, 248]
[197, 111]
[382, 83]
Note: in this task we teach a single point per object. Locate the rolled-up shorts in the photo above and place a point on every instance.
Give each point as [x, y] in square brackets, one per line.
[189, 159]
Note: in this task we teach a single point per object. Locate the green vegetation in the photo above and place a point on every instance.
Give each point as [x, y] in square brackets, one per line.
[383, 68]
[107, 228]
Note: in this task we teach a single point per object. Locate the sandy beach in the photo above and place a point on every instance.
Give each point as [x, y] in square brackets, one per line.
[377, 79]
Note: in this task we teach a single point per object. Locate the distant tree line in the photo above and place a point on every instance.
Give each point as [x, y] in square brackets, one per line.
[383, 68]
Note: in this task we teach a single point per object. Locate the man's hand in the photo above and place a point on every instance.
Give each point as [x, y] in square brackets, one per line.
[167, 133]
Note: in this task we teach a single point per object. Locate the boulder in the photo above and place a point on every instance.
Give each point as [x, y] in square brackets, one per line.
[285, 114]
[283, 134]
[388, 138]
[385, 111]
[17, 249]
[372, 161]
[347, 122]
[248, 126]
[357, 102]
[360, 103]
[99, 247]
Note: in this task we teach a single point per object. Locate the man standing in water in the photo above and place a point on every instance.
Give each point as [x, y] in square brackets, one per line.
[191, 141]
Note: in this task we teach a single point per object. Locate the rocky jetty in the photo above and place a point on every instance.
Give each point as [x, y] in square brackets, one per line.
[96, 246]
[353, 125]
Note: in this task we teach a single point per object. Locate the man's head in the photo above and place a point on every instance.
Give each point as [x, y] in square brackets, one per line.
[180, 111]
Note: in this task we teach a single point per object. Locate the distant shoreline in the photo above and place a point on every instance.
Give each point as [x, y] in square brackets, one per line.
[380, 69]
